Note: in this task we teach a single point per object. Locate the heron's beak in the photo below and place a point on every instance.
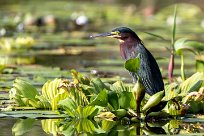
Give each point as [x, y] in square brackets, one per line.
[109, 34]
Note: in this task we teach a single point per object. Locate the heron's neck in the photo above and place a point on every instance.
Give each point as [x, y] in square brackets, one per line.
[128, 48]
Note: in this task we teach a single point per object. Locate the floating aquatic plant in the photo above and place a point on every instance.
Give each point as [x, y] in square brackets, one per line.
[74, 96]
[9, 44]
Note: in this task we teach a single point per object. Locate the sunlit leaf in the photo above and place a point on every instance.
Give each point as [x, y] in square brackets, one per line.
[119, 86]
[69, 105]
[101, 99]
[107, 125]
[77, 76]
[87, 125]
[53, 93]
[153, 100]
[171, 91]
[24, 94]
[25, 89]
[43, 102]
[89, 110]
[191, 84]
[175, 108]
[185, 44]
[132, 65]
[106, 115]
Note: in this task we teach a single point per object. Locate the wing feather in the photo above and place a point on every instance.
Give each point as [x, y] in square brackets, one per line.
[149, 72]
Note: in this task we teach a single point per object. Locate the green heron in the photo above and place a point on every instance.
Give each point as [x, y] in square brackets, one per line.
[130, 47]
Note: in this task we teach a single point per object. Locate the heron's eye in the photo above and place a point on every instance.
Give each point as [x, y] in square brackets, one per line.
[124, 37]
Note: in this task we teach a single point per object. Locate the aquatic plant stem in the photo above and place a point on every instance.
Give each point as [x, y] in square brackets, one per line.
[138, 93]
[171, 67]
[171, 61]
[182, 68]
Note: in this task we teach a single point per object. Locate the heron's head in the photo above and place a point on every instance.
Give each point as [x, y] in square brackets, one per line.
[120, 33]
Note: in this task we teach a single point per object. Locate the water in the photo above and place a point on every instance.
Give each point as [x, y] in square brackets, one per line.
[46, 127]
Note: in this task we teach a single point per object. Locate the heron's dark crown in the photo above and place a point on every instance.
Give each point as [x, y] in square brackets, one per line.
[125, 30]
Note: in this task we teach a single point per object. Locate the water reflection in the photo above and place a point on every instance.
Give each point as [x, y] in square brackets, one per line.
[104, 127]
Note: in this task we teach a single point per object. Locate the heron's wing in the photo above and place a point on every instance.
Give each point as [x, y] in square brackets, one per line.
[149, 72]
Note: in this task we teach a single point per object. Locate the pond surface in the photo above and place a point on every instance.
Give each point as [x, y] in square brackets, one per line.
[67, 45]
[43, 127]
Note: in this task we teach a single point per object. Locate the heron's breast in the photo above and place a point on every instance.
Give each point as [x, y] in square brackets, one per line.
[127, 52]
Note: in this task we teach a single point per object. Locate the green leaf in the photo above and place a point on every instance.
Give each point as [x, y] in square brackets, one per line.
[107, 115]
[22, 126]
[87, 125]
[153, 101]
[120, 113]
[171, 91]
[132, 101]
[124, 99]
[101, 99]
[24, 88]
[98, 85]
[174, 27]
[155, 35]
[195, 107]
[69, 105]
[113, 99]
[53, 93]
[132, 65]
[184, 44]
[89, 110]
[193, 83]
[179, 45]
[23, 93]
[119, 87]
[198, 46]
[106, 125]
[78, 76]
[200, 63]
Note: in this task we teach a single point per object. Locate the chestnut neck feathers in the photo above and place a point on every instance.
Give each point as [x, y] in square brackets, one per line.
[128, 46]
